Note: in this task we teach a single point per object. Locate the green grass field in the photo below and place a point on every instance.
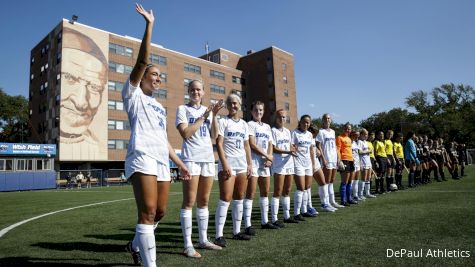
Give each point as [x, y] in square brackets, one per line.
[436, 216]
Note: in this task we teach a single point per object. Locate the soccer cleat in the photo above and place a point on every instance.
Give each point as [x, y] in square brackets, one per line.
[269, 226]
[220, 241]
[209, 245]
[313, 211]
[241, 236]
[190, 252]
[308, 215]
[345, 204]
[336, 205]
[279, 224]
[290, 220]
[250, 231]
[362, 198]
[299, 218]
[328, 208]
[353, 202]
[135, 254]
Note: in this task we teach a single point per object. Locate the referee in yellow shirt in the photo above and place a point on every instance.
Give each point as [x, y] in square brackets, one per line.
[381, 162]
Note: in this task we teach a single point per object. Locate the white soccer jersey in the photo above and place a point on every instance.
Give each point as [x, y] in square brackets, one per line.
[148, 124]
[281, 138]
[303, 141]
[263, 135]
[197, 148]
[326, 137]
[234, 134]
[365, 159]
[355, 150]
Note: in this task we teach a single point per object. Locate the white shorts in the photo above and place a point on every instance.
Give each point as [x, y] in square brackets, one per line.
[284, 171]
[318, 166]
[260, 172]
[147, 165]
[233, 170]
[330, 166]
[301, 171]
[357, 167]
[205, 169]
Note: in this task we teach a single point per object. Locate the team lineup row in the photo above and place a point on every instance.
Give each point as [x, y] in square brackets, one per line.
[249, 153]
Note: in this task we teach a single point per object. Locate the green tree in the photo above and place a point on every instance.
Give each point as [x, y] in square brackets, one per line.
[14, 125]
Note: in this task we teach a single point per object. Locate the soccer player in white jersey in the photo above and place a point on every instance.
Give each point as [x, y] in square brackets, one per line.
[197, 125]
[260, 140]
[283, 169]
[146, 163]
[235, 167]
[319, 176]
[327, 144]
[355, 175]
[365, 162]
[304, 166]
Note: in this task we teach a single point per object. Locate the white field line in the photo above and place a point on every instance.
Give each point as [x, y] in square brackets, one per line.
[13, 226]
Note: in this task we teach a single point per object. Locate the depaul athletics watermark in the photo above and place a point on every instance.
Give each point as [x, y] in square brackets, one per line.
[427, 253]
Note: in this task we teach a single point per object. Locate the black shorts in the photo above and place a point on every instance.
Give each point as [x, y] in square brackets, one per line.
[391, 162]
[373, 163]
[382, 164]
[349, 166]
[399, 166]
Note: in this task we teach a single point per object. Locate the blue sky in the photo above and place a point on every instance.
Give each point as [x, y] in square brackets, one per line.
[352, 58]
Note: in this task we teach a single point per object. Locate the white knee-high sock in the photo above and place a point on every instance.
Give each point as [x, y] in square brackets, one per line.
[202, 218]
[303, 208]
[309, 196]
[331, 194]
[286, 207]
[220, 217]
[274, 208]
[185, 219]
[323, 193]
[354, 185]
[264, 205]
[297, 201]
[146, 242]
[247, 212]
[237, 215]
[367, 187]
[360, 188]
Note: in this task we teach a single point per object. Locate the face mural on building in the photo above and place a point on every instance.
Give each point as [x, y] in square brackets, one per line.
[83, 107]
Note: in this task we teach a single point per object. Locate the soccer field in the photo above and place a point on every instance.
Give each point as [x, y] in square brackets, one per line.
[93, 226]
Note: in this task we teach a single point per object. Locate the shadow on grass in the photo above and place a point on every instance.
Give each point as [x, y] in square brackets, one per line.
[29, 261]
[83, 246]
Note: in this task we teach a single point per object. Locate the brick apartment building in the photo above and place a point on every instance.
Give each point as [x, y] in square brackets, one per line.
[77, 73]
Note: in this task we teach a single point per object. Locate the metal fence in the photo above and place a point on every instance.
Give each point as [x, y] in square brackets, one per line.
[76, 179]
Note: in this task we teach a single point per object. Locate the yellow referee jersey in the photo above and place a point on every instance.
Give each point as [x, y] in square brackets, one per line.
[371, 149]
[388, 144]
[379, 149]
[398, 150]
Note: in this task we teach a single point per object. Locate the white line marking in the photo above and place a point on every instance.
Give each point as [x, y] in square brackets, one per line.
[13, 226]
[7, 229]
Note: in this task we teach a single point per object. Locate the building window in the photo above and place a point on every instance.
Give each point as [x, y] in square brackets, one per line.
[59, 37]
[118, 125]
[287, 119]
[284, 67]
[163, 77]
[120, 50]
[286, 92]
[285, 79]
[119, 68]
[187, 99]
[156, 59]
[215, 58]
[160, 93]
[216, 74]
[186, 82]
[217, 89]
[115, 105]
[192, 68]
[115, 85]
[58, 58]
[117, 144]
[213, 101]
[236, 80]
[32, 76]
[287, 106]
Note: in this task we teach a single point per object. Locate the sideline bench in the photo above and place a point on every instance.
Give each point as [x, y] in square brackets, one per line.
[63, 183]
[115, 181]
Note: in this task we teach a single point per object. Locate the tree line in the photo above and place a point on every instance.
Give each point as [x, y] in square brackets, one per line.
[447, 111]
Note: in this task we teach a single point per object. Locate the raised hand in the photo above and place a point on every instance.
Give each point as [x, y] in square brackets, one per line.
[217, 107]
[148, 16]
